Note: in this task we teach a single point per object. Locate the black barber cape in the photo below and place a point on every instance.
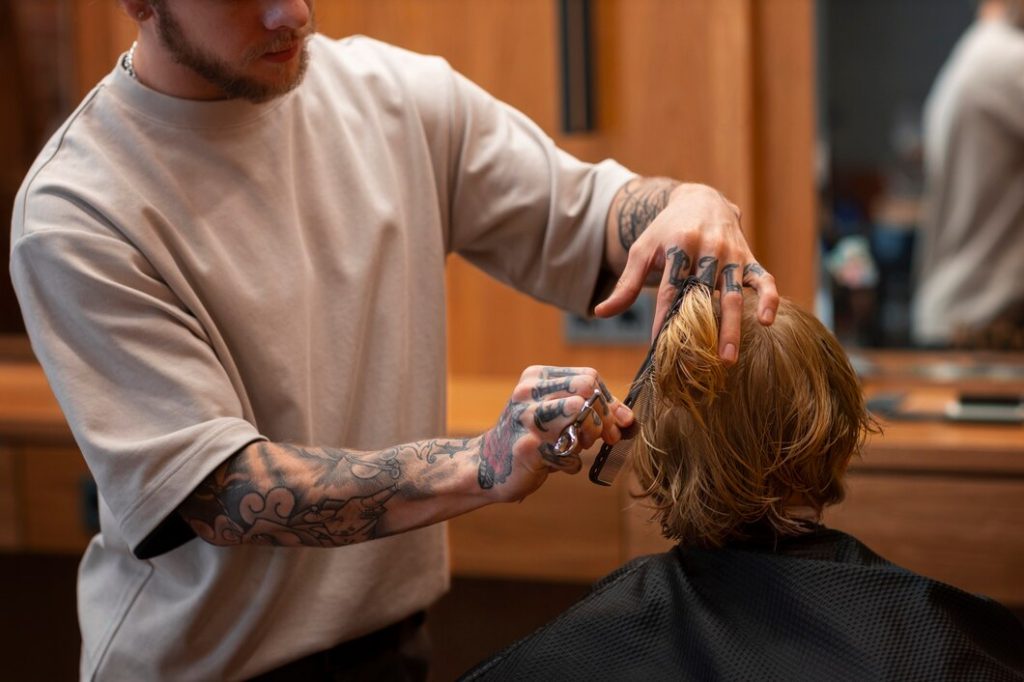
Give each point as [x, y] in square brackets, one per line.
[820, 606]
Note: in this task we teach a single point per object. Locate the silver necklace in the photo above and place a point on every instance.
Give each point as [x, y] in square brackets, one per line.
[128, 62]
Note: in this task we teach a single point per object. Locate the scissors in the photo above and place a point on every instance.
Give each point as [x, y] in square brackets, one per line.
[568, 442]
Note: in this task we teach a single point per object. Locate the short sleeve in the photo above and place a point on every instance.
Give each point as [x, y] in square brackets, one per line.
[526, 212]
[518, 207]
[150, 406]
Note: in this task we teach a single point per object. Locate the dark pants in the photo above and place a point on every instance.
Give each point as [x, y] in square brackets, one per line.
[397, 653]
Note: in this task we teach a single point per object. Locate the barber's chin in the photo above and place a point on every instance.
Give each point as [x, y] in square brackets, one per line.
[272, 88]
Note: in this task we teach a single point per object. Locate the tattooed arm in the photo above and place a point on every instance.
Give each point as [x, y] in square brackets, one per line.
[661, 231]
[279, 494]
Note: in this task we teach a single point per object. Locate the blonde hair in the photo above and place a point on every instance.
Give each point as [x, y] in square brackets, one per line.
[728, 449]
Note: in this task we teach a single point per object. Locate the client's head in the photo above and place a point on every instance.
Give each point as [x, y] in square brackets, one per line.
[753, 445]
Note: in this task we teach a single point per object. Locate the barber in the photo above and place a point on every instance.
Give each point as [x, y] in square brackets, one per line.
[230, 260]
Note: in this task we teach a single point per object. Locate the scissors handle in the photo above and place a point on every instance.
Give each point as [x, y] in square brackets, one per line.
[568, 442]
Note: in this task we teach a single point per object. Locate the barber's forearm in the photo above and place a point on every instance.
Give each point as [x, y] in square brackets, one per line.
[279, 494]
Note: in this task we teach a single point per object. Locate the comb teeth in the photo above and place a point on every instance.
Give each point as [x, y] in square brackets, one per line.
[612, 458]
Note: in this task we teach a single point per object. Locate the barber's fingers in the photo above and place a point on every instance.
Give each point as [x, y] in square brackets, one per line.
[731, 307]
[542, 383]
[550, 421]
[563, 428]
[643, 258]
[763, 283]
[550, 417]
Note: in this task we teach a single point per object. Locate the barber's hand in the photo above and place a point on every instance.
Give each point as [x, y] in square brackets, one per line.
[520, 451]
[697, 233]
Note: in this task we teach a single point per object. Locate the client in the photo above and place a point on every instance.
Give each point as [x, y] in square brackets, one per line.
[737, 464]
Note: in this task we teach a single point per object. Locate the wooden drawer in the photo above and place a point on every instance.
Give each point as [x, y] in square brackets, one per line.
[965, 531]
[10, 530]
[52, 485]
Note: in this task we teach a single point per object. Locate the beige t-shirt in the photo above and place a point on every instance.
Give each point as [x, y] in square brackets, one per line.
[971, 247]
[198, 275]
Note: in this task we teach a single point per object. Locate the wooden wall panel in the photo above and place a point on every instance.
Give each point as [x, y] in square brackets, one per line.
[674, 88]
[786, 235]
[102, 32]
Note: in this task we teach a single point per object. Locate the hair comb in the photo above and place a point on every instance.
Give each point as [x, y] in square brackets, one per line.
[611, 458]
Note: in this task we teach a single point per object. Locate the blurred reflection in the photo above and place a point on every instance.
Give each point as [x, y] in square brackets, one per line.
[877, 60]
[970, 289]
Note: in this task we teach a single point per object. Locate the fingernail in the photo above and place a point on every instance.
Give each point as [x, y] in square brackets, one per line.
[623, 414]
[729, 354]
[768, 316]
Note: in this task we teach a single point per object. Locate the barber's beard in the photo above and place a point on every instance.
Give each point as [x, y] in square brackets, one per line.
[231, 80]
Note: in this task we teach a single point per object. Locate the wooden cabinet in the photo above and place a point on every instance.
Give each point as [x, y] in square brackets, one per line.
[962, 530]
[43, 498]
[43, 478]
[55, 495]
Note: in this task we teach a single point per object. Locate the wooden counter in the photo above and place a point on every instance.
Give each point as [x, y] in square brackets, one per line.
[943, 499]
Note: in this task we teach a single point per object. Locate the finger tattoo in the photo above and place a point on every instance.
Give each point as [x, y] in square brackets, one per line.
[607, 396]
[707, 268]
[679, 267]
[753, 269]
[548, 412]
[729, 273]
[546, 388]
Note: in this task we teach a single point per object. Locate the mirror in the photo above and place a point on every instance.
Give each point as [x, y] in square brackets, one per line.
[878, 61]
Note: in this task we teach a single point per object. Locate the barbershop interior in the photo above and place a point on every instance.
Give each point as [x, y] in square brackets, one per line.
[841, 130]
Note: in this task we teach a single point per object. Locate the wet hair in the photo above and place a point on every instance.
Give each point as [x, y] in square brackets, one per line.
[731, 450]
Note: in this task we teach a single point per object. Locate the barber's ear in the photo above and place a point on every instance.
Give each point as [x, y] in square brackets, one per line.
[139, 10]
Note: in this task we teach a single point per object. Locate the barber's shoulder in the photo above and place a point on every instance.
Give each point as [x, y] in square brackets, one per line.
[362, 67]
[363, 52]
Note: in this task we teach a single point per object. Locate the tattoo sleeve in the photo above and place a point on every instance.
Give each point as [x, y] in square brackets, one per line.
[276, 494]
[638, 204]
